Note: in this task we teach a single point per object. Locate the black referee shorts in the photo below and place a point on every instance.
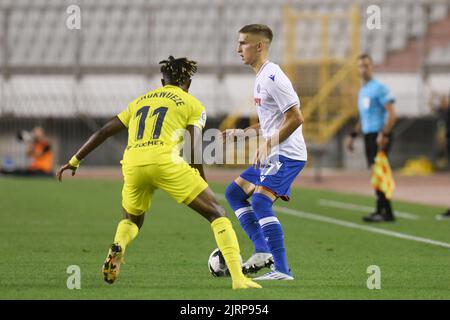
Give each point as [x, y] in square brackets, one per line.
[370, 142]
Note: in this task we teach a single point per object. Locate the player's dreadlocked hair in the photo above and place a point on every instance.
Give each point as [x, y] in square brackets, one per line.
[178, 71]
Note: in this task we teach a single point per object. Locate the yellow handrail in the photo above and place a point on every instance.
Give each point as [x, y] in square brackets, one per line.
[322, 118]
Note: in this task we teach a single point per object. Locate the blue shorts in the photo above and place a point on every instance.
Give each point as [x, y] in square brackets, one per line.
[277, 176]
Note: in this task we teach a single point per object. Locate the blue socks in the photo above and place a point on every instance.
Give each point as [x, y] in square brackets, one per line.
[237, 200]
[259, 222]
[271, 227]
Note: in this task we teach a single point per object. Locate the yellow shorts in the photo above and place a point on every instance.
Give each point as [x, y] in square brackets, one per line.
[180, 180]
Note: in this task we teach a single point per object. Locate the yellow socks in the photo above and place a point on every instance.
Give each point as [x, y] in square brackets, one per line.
[126, 232]
[228, 244]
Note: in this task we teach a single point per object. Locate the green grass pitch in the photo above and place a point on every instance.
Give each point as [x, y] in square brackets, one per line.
[46, 227]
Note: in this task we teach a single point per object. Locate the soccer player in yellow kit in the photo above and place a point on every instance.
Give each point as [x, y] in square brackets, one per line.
[151, 160]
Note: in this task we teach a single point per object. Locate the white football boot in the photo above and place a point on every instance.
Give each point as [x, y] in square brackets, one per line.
[275, 275]
[256, 262]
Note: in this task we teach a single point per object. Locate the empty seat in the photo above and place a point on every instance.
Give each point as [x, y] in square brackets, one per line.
[122, 33]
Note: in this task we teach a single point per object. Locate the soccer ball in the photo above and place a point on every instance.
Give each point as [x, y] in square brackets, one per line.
[216, 264]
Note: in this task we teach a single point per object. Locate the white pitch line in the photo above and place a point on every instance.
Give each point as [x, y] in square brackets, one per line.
[352, 225]
[356, 207]
[342, 223]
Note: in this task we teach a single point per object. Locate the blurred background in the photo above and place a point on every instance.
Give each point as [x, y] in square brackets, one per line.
[70, 80]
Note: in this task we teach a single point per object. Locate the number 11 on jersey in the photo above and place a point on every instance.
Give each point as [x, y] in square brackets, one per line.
[142, 113]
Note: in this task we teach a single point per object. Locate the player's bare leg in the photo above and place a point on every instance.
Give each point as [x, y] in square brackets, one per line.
[126, 232]
[245, 185]
[207, 205]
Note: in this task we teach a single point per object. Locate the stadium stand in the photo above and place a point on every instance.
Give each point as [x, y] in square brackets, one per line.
[49, 70]
[117, 34]
[139, 34]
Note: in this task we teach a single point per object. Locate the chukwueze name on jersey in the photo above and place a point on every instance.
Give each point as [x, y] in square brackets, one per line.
[163, 94]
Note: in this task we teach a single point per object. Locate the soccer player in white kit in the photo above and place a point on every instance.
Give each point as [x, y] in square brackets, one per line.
[277, 162]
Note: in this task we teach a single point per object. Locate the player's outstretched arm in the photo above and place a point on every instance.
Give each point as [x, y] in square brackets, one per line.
[251, 131]
[111, 128]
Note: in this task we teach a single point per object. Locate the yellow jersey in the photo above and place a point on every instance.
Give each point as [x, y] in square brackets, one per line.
[155, 123]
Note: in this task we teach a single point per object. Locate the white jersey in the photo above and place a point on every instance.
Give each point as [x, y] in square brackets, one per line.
[274, 95]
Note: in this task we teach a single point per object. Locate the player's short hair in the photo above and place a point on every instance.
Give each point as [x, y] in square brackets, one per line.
[259, 29]
[178, 71]
[365, 56]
